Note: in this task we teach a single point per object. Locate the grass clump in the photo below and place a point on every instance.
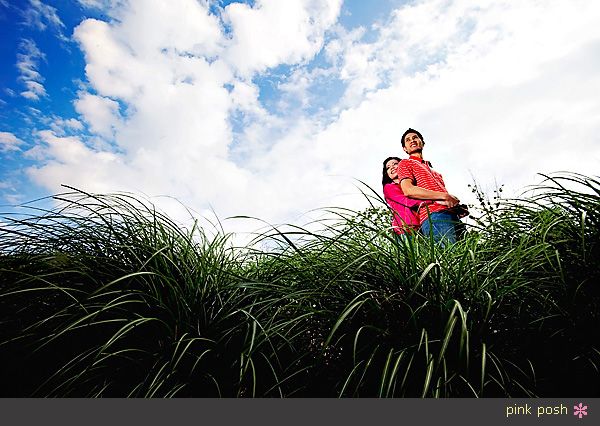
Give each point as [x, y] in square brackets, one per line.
[105, 296]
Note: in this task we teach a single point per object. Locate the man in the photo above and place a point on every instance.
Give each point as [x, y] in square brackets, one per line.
[418, 180]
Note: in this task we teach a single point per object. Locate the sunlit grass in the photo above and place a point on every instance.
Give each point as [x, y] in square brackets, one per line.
[105, 296]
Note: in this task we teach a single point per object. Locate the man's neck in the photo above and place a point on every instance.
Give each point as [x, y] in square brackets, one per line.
[419, 155]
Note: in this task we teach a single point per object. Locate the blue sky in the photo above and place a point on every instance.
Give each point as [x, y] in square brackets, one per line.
[49, 27]
[21, 28]
[272, 108]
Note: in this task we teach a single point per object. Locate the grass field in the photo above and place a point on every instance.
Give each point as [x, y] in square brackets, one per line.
[105, 296]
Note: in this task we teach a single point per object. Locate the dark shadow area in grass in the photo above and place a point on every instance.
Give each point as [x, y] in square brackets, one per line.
[106, 296]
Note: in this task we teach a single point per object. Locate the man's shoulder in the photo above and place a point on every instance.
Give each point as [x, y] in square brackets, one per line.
[405, 169]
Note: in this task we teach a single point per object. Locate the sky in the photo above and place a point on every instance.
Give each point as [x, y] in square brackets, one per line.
[275, 108]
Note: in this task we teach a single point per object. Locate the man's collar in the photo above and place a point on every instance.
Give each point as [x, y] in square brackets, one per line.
[419, 159]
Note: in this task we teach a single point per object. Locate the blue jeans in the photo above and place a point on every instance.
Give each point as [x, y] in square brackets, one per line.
[442, 225]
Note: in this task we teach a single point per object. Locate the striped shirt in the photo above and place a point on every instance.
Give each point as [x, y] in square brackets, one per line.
[421, 174]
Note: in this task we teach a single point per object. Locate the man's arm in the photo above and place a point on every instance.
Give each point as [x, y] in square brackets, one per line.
[419, 193]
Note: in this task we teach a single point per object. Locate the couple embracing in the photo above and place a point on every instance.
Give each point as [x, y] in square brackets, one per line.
[418, 196]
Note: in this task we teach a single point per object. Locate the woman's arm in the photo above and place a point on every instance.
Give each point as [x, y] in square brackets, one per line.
[393, 192]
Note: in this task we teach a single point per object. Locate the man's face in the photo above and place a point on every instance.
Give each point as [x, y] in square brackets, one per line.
[412, 143]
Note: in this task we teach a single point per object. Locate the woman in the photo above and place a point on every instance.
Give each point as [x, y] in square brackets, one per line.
[405, 218]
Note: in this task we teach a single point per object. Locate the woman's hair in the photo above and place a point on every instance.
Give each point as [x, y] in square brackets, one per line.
[386, 179]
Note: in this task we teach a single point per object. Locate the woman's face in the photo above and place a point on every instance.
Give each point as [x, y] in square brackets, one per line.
[392, 169]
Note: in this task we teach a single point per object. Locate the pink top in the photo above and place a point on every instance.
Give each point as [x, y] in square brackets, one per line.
[404, 208]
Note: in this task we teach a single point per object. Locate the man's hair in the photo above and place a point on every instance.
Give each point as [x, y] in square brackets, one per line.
[386, 179]
[412, 131]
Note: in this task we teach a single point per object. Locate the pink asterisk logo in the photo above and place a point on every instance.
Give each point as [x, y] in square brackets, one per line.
[580, 410]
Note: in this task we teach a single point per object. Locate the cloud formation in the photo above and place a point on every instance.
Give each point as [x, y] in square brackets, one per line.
[28, 60]
[174, 94]
[9, 142]
[101, 114]
[165, 79]
[39, 15]
[495, 88]
[272, 32]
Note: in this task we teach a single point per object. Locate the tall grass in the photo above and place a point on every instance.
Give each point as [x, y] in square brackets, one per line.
[105, 296]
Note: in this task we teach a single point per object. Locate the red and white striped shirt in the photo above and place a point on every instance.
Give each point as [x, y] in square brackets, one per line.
[422, 174]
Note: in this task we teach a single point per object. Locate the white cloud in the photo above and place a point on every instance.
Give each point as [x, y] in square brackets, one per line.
[10, 193]
[487, 87]
[28, 60]
[274, 32]
[499, 89]
[173, 135]
[101, 114]
[59, 125]
[100, 4]
[70, 157]
[9, 142]
[39, 15]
